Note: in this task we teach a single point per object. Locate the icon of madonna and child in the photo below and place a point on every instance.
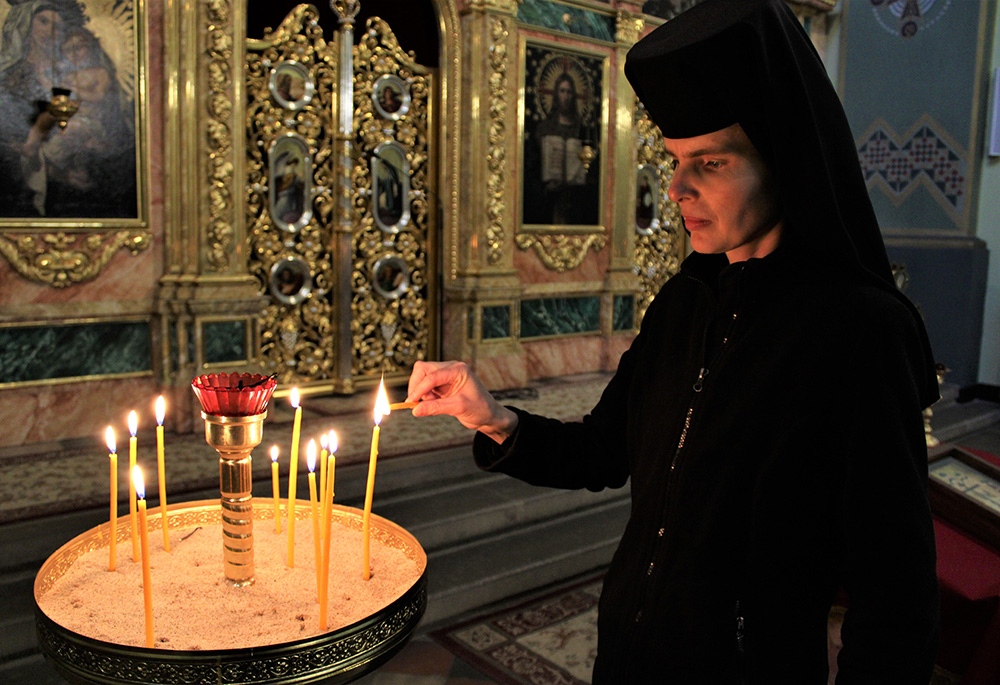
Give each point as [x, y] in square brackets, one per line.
[87, 169]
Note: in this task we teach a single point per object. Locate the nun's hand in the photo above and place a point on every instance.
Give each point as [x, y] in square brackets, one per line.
[451, 388]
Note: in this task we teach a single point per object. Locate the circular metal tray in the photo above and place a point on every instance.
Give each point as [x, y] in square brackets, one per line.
[338, 656]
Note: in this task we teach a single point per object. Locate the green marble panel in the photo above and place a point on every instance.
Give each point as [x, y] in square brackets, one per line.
[550, 15]
[496, 322]
[560, 316]
[224, 341]
[37, 353]
[623, 317]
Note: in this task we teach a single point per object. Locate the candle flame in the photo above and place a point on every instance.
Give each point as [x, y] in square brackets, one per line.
[293, 397]
[381, 403]
[274, 453]
[109, 437]
[138, 483]
[311, 455]
[133, 423]
[161, 410]
[333, 441]
[323, 441]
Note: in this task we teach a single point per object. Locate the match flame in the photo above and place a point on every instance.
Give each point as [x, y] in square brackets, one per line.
[161, 410]
[109, 437]
[333, 441]
[274, 453]
[133, 423]
[381, 403]
[138, 483]
[311, 455]
[293, 397]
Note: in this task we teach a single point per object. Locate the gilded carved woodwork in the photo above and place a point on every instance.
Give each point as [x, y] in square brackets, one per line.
[219, 65]
[296, 335]
[391, 322]
[658, 251]
[496, 208]
[63, 259]
[561, 251]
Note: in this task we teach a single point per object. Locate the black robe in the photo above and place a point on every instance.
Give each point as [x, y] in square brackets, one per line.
[768, 415]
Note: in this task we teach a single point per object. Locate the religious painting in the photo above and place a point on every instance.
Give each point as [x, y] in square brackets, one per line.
[291, 281]
[647, 193]
[391, 96]
[290, 165]
[391, 277]
[291, 85]
[84, 159]
[391, 187]
[564, 111]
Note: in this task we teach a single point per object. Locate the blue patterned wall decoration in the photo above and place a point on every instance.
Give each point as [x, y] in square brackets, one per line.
[39, 353]
[898, 164]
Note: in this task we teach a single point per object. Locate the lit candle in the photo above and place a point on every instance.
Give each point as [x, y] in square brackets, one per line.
[381, 409]
[109, 435]
[274, 488]
[161, 411]
[147, 588]
[403, 405]
[324, 585]
[293, 473]
[323, 442]
[133, 427]
[314, 509]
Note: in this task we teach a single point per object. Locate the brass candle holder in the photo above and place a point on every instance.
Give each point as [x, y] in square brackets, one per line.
[233, 407]
[234, 438]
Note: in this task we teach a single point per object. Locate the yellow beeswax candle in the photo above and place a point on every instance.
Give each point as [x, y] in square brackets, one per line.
[274, 488]
[324, 584]
[147, 586]
[323, 442]
[331, 443]
[314, 510]
[109, 436]
[381, 409]
[293, 473]
[161, 411]
[133, 428]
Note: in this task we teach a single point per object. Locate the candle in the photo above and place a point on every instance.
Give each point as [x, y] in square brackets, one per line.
[324, 585]
[161, 411]
[274, 488]
[323, 442]
[314, 509]
[402, 405]
[147, 588]
[133, 427]
[109, 436]
[381, 409]
[293, 473]
[325, 476]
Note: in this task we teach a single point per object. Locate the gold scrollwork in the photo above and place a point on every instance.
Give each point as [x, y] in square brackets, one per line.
[390, 333]
[219, 50]
[62, 259]
[659, 251]
[561, 251]
[297, 337]
[497, 158]
[628, 26]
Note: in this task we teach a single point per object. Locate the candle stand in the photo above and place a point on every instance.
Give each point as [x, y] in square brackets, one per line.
[234, 438]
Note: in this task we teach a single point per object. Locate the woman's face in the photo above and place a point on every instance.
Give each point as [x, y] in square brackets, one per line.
[45, 27]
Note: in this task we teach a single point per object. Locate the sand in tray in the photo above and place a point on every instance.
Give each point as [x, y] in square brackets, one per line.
[196, 608]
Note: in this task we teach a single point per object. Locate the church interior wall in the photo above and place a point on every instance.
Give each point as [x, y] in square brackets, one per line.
[520, 302]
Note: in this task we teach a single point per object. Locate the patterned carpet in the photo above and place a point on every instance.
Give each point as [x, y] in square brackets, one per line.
[551, 640]
[68, 480]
